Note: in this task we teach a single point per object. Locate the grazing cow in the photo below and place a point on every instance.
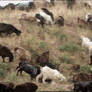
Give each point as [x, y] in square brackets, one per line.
[60, 21]
[87, 5]
[88, 17]
[86, 42]
[33, 71]
[43, 59]
[83, 86]
[51, 74]
[47, 15]
[26, 87]
[6, 87]
[26, 6]
[76, 67]
[5, 52]
[8, 29]
[49, 2]
[10, 6]
[40, 19]
[70, 3]
[22, 54]
[82, 77]
[82, 23]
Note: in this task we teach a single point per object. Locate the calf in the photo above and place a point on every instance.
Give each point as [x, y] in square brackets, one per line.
[83, 86]
[43, 59]
[60, 21]
[5, 52]
[8, 29]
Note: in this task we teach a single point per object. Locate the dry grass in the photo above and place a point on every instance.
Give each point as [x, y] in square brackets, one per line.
[64, 43]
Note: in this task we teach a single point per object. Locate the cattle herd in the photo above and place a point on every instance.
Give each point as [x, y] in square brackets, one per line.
[43, 71]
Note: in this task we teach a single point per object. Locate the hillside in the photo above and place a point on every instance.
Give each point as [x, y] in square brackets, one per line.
[64, 44]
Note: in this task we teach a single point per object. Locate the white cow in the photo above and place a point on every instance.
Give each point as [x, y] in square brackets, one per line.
[86, 42]
[52, 74]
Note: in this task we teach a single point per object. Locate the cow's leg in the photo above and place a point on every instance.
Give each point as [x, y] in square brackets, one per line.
[3, 58]
[19, 71]
[90, 59]
[39, 77]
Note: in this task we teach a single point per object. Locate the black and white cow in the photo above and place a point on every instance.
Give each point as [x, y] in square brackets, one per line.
[45, 16]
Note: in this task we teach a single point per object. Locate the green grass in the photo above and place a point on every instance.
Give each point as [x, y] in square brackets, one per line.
[85, 68]
[69, 47]
[4, 68]
[66, 58]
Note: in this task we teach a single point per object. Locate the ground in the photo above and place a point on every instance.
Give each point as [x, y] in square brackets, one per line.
[64, 44]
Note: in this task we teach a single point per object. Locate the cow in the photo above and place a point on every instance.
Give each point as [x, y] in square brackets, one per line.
[22, 54]
[8, 29]
[51, 74]
[6, 52]
[6, 87]
[60, 21]
[43, 59]
[40, 19]
[82, 77]
[32, 70]
[26, 87]
[83, 86]
[10, 6]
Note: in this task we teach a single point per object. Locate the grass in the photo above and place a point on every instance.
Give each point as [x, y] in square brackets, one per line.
[69, 47]
[4, 68]
[66, 58]
[85, 69]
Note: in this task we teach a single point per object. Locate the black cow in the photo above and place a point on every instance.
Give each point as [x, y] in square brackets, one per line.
[8, 29]
[33, 71]
[83, 86]
[5, 52]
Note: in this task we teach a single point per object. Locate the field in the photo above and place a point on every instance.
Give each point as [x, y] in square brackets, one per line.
[64, 44]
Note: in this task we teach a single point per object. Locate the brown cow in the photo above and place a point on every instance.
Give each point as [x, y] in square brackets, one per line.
[82, 77]
[6, 52]
[26, 87]
[22, 54]
[43, 59]
[6, 87]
